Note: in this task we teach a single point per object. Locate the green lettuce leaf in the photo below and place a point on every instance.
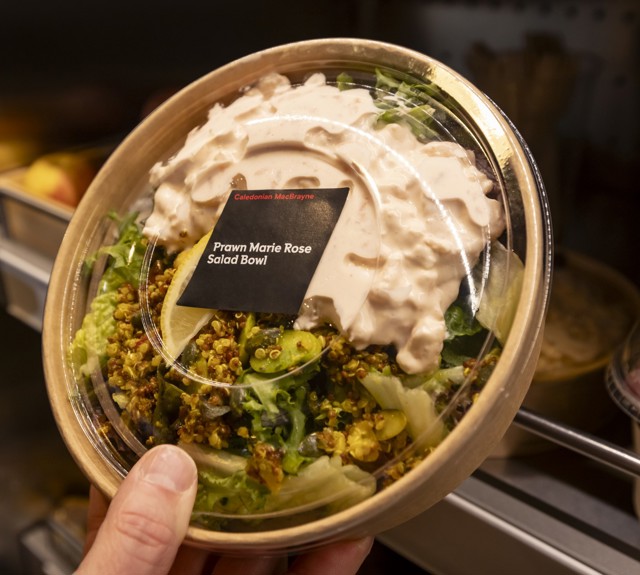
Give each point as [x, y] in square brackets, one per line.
[423, 423]
[236, 493]
[88, 349]
[276, 408]
[326, 479]
[501, 291]
[124, 257]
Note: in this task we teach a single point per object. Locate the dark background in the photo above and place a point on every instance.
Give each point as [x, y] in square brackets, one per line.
[77, 73]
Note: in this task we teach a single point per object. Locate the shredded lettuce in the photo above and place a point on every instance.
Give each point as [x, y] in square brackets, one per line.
[344, 81]
[406, 103]
[443, 379]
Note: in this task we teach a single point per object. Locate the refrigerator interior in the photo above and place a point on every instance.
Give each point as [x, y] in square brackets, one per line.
[72, 76]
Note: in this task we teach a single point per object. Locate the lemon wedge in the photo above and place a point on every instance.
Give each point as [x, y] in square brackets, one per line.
[178, 323]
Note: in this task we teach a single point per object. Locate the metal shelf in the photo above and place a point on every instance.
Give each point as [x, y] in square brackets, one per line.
[493, 524]
[565, 511]
[596, 448]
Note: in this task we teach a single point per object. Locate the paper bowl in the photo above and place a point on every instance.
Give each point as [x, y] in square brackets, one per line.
[592, 308]
[124, 180]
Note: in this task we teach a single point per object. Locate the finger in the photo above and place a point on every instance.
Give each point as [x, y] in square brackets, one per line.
[96, 513]
[250, 566]
[192, 560]
[148, 518]
[344, 558]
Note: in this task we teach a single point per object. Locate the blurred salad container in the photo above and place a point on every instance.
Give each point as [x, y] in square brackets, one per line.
[396, 359]
[592, 308]
[623, 385]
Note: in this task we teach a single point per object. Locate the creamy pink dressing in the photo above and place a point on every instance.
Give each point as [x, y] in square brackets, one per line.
[416, 219]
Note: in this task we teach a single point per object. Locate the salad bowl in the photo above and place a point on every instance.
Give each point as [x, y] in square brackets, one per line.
[415, 334]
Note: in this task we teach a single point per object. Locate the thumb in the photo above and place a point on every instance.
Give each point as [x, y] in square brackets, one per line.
[148, 518]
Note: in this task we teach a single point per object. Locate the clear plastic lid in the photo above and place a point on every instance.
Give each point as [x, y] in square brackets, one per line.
[308, 286]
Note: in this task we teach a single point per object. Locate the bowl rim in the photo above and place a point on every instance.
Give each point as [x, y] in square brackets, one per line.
[463, 449]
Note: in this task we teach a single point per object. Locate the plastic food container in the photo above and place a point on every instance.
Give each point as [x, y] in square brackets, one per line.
[623, 385]
[591, 310]
[412, 340]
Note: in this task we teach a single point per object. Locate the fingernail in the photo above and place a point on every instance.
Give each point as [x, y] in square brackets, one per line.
[170, 467]
[366, 544]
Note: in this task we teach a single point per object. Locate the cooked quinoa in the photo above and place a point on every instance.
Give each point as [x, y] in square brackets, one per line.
[324, 399]
[344, 419]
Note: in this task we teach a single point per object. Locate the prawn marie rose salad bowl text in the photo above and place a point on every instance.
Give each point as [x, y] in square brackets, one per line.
[418, 332]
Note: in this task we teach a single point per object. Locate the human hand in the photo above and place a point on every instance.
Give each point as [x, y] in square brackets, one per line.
[141, 532]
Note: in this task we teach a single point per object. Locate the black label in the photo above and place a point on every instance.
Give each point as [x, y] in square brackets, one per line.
[264, 250]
